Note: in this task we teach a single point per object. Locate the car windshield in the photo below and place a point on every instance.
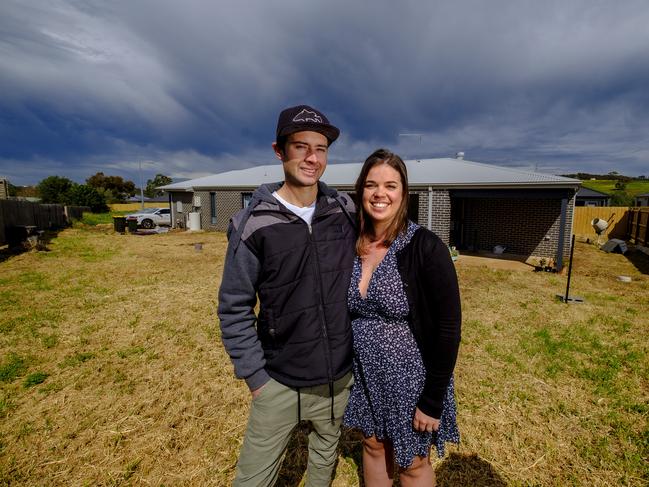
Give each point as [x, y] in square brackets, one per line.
[149, 210]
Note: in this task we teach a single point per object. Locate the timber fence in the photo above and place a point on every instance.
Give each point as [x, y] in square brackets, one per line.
[624, 223]
[638, 221]
[16, 214]
[616, 216]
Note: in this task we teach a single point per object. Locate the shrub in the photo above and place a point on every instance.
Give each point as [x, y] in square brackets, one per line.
[54, 189]
[84, 195]
[621, 198]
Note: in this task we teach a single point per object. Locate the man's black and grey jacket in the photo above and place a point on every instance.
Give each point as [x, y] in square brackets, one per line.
[301, 335]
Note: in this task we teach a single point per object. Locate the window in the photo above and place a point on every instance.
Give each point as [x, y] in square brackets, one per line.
[245, 199]
[213, 207]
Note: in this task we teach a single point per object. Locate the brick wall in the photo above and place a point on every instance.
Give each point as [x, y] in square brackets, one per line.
[422, 214]
[187, 201]
[227, 204]
[441, 221]
[441, 218]
[524, 226]
[205, 210]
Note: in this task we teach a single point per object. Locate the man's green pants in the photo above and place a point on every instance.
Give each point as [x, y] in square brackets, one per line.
[274, 414]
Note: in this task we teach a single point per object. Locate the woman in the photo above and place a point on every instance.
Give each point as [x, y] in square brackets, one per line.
[405, 307]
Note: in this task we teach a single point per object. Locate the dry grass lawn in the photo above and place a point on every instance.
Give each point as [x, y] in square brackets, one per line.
[112, 371]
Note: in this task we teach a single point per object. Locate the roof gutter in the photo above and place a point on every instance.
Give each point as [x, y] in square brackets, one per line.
[179, 190]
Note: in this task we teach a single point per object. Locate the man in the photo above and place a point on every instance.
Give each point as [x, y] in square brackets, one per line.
[292, 249]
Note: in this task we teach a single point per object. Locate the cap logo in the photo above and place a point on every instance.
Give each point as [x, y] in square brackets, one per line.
[307, 116]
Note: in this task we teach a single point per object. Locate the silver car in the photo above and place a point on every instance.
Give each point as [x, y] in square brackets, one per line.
[151, 217]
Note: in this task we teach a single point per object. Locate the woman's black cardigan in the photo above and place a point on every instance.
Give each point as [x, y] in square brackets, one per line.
[430, 282]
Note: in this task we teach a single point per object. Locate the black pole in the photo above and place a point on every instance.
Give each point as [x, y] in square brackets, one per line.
[562, 232]
[572, 250]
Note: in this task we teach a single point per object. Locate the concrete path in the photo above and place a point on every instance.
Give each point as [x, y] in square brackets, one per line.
[493, 261]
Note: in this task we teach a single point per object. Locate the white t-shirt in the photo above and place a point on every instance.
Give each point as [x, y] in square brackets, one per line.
[304, 212]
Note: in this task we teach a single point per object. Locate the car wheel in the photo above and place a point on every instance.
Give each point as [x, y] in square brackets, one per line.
[147, 223]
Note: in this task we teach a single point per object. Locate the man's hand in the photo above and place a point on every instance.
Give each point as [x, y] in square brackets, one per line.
[257, 391]
[423, 422]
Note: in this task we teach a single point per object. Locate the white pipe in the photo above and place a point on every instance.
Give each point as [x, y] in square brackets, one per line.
[430, 207]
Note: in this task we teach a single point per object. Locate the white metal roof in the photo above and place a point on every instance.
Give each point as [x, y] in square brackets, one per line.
[441, 172]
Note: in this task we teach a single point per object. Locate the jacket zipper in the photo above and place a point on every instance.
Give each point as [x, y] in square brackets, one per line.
[323, 322]
[319, 290]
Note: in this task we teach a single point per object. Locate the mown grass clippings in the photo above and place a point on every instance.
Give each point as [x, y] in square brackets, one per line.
[130, 351]
[31, 321]
[13, 367]
[24, 430]
[76, 359]
[548, 393]
[34, 379]
[50, 341]
[131, 468]
[51, 387]
[5, 405]
[34, 281]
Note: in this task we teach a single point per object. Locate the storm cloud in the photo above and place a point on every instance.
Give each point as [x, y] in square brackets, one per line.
[195, 87]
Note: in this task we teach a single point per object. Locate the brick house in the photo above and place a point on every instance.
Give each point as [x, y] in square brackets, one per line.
[642, 199]
[4, 189]
[590, 197]
[471, 205]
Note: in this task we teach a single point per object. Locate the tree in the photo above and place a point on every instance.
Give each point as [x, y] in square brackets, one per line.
[621, 198]
[13, 190]
[53, 189]
[119, 188]
[86, 195]
[109, 196]
[620, 186]
[151, 184]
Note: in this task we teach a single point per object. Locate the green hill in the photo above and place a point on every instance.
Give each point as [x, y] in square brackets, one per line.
[607, 186]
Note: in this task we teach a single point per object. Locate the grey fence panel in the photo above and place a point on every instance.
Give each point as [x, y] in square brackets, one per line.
[50, 216]
[3, 238]
[16, 213]
[75, 212]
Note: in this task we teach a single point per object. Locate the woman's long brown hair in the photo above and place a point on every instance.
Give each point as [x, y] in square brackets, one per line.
[399, 224]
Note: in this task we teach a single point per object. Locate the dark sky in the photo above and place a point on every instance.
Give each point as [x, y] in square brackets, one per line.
[193, 88]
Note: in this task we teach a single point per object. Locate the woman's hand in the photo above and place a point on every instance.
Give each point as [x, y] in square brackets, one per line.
[423, 422]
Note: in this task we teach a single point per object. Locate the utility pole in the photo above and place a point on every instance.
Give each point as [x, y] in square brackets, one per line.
[142, 182]
[141, 187]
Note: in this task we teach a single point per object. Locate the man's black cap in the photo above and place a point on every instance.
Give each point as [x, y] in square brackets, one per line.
[304, 117]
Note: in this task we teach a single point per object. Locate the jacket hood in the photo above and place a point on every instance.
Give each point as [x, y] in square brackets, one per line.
[264, 193]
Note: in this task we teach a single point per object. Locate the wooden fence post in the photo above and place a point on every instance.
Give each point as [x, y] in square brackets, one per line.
[637, 227]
